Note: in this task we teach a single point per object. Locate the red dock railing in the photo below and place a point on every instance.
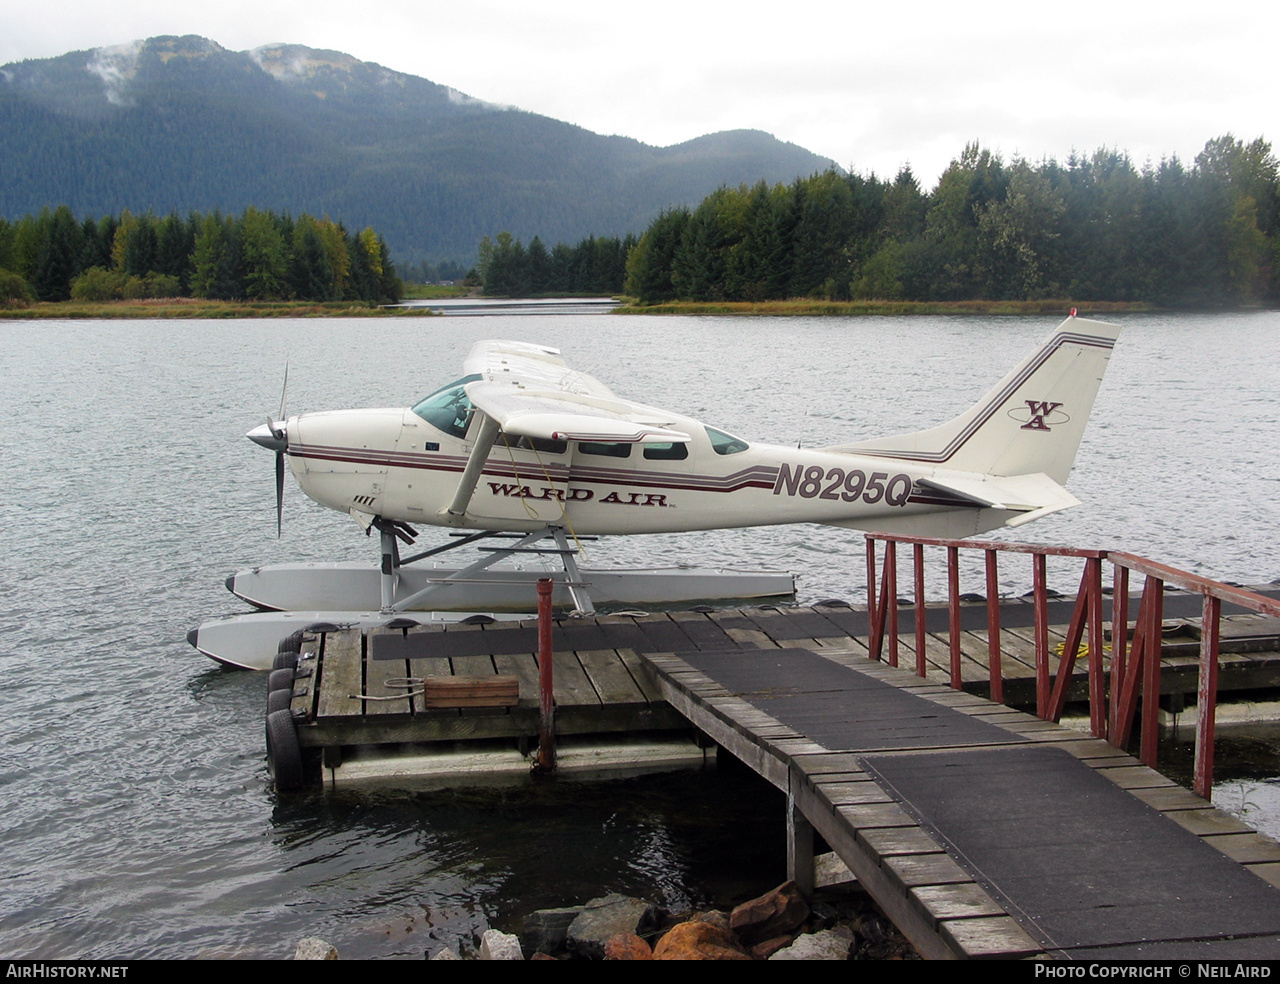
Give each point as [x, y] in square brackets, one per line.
[1135, 668]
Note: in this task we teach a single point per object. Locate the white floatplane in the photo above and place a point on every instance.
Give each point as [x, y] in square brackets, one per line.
[522, 445]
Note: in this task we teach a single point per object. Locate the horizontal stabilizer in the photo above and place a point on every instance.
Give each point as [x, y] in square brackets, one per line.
[1016, 493]
[993, 502]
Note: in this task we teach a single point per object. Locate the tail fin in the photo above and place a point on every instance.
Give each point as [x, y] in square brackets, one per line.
[1031, 422]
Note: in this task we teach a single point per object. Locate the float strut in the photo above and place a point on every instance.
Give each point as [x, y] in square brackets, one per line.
[390, 562]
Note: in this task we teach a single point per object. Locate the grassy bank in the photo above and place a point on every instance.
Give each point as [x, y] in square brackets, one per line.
[810, 307]
[187, 307]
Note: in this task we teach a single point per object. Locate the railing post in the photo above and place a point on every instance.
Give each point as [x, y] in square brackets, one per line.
[1125, 699]
[1149, 749]
[875, 635]
[1207, 696]
[1119, 639]
[1042, 635]
[921, 635]
[953, 605]
[889, 597]
[995, 674]
[1097, 681]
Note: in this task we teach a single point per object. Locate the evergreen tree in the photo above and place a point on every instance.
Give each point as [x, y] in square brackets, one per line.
[698, 268]
[58, 253]
[263, 261]
[310, 274]
[57, 260]
[175, 242]
[540, 278]
[215, 259]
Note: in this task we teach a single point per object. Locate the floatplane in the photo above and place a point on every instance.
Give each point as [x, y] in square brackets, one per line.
[526, 448]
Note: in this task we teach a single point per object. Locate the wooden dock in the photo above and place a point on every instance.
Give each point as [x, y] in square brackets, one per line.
[600, 686]
[979, 829]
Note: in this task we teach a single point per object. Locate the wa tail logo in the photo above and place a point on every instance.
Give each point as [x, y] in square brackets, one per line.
[1039, 415]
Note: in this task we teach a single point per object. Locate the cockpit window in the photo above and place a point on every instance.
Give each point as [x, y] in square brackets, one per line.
[448, 408]
[722, 443]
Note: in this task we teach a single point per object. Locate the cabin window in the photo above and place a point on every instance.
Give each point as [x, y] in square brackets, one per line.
[448, 408]
[668, 451]
[607, 450]
[542, 444]
[722, 443]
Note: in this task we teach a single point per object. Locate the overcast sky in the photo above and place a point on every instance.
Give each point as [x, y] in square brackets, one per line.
[872, 86]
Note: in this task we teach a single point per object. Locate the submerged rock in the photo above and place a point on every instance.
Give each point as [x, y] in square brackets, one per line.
[827, 944]
[696, 940]
[604, 918]
[314, 948]
[496, 945]
[777, 913]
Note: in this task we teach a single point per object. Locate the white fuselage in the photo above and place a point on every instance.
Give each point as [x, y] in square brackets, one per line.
[393, 464]
[575, 455]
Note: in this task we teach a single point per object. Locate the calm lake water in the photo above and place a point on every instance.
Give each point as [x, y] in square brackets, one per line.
[138, 820]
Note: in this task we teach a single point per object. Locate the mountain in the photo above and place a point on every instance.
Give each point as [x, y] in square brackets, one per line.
[175, 124]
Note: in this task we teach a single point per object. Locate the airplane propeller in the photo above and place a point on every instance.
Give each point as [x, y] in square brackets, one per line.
[274, 436]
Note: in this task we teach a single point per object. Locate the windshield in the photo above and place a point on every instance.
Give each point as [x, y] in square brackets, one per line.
[722, 443]
[448, 408]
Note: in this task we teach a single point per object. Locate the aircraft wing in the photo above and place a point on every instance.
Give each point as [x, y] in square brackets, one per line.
[560, 416]
[1033, 495]
[526, 364]
[529, 392]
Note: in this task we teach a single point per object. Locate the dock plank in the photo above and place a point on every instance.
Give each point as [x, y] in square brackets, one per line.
[342, 675]
[571, 685]
[610, 677]
[525, 667]
[378, 672]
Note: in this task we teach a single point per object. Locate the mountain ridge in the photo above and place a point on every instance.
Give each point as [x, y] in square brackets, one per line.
[180, 123]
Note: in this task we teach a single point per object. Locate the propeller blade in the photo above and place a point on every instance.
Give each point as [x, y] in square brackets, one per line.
[284, 390]
[284, 393]
[279, 493]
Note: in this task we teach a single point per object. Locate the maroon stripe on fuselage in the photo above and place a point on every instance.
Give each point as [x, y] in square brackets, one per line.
[757, 476]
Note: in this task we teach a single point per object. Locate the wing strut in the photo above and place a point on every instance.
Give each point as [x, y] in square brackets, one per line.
[485, 439]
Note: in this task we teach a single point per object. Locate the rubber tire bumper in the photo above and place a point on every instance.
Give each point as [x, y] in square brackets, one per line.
[284, 754]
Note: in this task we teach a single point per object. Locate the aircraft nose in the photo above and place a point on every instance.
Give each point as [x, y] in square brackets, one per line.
[272, 437]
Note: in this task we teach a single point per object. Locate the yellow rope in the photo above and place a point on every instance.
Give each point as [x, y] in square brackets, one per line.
[1083, 652]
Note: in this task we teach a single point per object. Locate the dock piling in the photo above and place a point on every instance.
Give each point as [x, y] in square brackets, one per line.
[546, 701]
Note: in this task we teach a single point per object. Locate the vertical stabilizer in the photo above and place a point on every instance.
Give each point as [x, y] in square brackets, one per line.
[1031, 422]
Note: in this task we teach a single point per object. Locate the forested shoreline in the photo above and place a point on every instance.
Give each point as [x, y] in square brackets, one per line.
[1096, 228]
[257, 256]
[596, 265]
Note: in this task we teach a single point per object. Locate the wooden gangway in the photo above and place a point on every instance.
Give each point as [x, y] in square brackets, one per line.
[980, 830]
